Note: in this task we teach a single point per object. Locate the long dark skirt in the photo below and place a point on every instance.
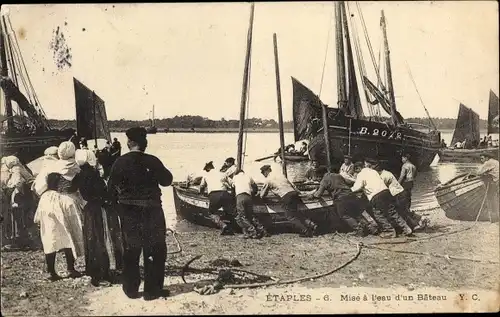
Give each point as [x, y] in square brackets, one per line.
[99, 251]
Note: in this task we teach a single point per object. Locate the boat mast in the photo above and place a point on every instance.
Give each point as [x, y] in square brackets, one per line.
[280, 111]
[239, 158]
[95, 117]
[389, 72]
[341, 82]
[5, 73]
[153, 117]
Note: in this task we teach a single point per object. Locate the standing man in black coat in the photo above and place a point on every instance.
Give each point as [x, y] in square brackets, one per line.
[134, 190]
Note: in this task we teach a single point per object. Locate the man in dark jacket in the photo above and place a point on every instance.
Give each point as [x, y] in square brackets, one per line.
[134, 190]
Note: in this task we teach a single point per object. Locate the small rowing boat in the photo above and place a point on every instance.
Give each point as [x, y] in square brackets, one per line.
[193, 207]
[463, 198]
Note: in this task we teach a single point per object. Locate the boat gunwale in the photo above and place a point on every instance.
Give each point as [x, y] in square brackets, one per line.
[449, 184]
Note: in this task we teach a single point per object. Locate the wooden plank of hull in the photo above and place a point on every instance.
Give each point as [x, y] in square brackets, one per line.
[461, 198]
[296, 158]
[193, 207]
[465, 155]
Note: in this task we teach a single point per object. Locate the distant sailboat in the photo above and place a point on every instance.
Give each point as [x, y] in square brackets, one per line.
[467, 128]
[152, 128]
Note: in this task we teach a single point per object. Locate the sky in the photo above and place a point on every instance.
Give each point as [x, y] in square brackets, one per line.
[188, 59]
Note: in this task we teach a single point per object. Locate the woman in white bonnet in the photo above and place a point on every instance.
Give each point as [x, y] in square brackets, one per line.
[59, 210]
[19, 200]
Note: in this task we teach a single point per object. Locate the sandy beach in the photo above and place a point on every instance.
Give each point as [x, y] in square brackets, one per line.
[462, 263]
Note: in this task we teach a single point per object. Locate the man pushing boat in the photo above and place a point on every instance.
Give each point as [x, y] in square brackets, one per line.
[281, 187]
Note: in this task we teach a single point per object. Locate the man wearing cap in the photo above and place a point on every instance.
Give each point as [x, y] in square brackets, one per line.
[228, 168]
[369, 182]
[217, 183]
[408, 173]
[134, 191]
[245, 188]
[401, 200]
[281, 187]
[490, 173]
[347, 170]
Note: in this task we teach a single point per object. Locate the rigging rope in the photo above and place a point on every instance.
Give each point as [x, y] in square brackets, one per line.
[326, 53]
[361, 64]
[37, 103]
[367, 38]
[418, 93]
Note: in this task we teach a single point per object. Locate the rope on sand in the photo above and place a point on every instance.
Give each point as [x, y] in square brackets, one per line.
[174, 235]
[301, 279]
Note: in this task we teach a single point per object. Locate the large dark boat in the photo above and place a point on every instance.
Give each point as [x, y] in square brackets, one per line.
[350, 131]
[467, 129]
[25, 130]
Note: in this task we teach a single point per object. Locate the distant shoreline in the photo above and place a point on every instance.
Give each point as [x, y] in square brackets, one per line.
[226, 130]
[212, 130]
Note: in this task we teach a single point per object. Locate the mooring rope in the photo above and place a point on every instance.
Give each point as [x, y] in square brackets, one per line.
[174, 235]
[301, 279]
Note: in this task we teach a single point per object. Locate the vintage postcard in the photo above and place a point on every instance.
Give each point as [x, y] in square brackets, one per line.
[249, 158]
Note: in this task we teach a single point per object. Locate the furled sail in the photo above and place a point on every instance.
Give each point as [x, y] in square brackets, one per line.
[11, 90]
[91, 119]
[467, 127]
[493, 112]
[306, 108]
[386, 105]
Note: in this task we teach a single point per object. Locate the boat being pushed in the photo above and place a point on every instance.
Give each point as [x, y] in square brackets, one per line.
[192, 206]
[464, 198]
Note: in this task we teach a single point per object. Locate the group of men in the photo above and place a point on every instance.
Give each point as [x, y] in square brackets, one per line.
[367, 198]
[486, 141]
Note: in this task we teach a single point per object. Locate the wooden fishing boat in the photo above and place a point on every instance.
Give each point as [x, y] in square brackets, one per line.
[193, 207]
[467, 128]
[462, 197]
[25, 130]
[349, 130]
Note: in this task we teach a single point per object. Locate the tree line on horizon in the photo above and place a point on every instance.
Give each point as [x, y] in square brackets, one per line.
[194, 122]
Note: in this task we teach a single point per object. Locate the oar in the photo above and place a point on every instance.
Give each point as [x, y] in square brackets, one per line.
[265, 158]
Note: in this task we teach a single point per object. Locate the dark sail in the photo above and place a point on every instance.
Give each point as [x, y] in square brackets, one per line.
[91, 119]
[467, 127]
[493, 114]
[306, 107]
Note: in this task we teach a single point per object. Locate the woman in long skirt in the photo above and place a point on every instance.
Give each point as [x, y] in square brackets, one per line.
[59, 211]
[98, 247]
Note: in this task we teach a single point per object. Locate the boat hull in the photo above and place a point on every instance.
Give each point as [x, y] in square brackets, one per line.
[461, 198]
[29, 147]
[193, 207]
[465, 155]
[422, 147]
